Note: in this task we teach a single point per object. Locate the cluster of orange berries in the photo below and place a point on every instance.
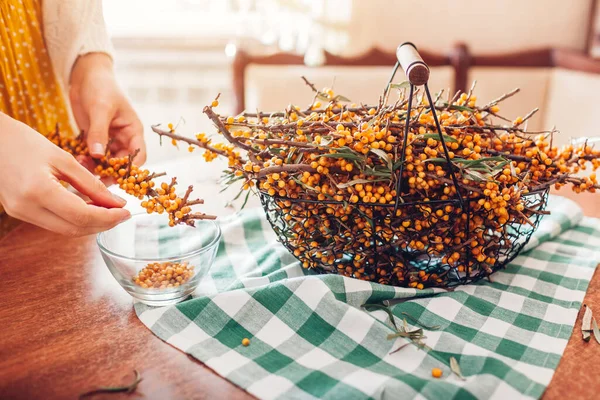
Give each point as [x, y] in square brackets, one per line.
[164, 275]
[329, 175]
[136, 182]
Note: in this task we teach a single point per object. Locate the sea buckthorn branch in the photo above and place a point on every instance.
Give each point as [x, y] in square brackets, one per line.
[137, 182]
[327, 175]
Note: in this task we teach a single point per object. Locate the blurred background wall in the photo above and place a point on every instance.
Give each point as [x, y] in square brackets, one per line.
[173, 57]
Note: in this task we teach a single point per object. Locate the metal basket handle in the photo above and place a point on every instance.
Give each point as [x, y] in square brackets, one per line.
[417, 72]
[412, 63]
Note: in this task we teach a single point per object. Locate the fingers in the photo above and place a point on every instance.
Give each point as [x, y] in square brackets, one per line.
[87, 162]
[100, 117]
[46, 219]
[86, 183]
[87, 218]
[129, 137]
[76, 211]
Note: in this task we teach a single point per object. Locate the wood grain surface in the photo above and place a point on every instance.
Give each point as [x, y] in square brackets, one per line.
[66, 327]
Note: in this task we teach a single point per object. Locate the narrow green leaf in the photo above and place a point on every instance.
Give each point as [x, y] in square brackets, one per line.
[480, 168]
[476, 176]
[384, 156]
[416, 334]
[239, 194]
[384, 308]
[348, 156]
[435, 136]
[340, 98]
[397, 165]
[403, 85]
[403, 345]
[384, 173]
[460, 108]
[115, 389]
[245, 200]
[440, 160]
[596, 330]
[299, 182]
[290, 155]
[416, 321]
[455, 367]
[322, 96]
[586, 324]
[486, 159]
[326, 140]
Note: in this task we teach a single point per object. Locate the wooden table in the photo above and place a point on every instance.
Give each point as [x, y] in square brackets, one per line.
[67, 327]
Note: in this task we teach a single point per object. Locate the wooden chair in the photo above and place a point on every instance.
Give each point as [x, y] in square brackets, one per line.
[273, 81]
[564, 84]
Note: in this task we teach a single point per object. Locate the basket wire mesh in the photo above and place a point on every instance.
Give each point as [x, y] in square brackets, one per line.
[383, 250]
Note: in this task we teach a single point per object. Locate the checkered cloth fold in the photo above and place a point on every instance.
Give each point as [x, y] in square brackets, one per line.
[311, 339]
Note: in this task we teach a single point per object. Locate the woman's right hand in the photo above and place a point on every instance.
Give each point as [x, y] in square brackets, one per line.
[31, 168]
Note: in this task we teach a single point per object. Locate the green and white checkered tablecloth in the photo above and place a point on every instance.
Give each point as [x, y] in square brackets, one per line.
[310, 338]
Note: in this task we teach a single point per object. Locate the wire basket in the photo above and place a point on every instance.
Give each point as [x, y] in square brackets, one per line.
[380, 243]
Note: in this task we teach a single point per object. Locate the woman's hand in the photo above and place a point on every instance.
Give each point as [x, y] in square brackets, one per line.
[102, 111]
[30, 169]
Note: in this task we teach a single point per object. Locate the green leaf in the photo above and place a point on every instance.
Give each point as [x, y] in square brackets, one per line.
[245, 200]
[115, 389]
[341, 98]
[476, 176]
[441, 160]
[371, 122]
[596, 330]
[322, 96]
[403, 85]
[348, 156]
[495, 158]
[384, 308]
[586, 324]
[384, 156]
[416, 321]
[290, 155]
[381, 172]
[397, 165]
[416, 334]
[299, 182]
[436, 136]
[326, 140]
[238, 195]
[455, 367]
[403, 345]
[459, 108]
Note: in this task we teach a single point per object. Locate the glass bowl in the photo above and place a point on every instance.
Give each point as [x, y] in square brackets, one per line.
[157, 264]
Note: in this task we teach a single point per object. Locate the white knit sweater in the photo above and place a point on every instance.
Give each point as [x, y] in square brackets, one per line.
[73, 28]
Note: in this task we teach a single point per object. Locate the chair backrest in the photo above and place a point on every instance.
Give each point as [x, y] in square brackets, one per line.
[574, 97]
[272, 82]
[563, 84]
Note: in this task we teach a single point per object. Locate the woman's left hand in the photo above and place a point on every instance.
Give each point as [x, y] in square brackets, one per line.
[102, 111]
